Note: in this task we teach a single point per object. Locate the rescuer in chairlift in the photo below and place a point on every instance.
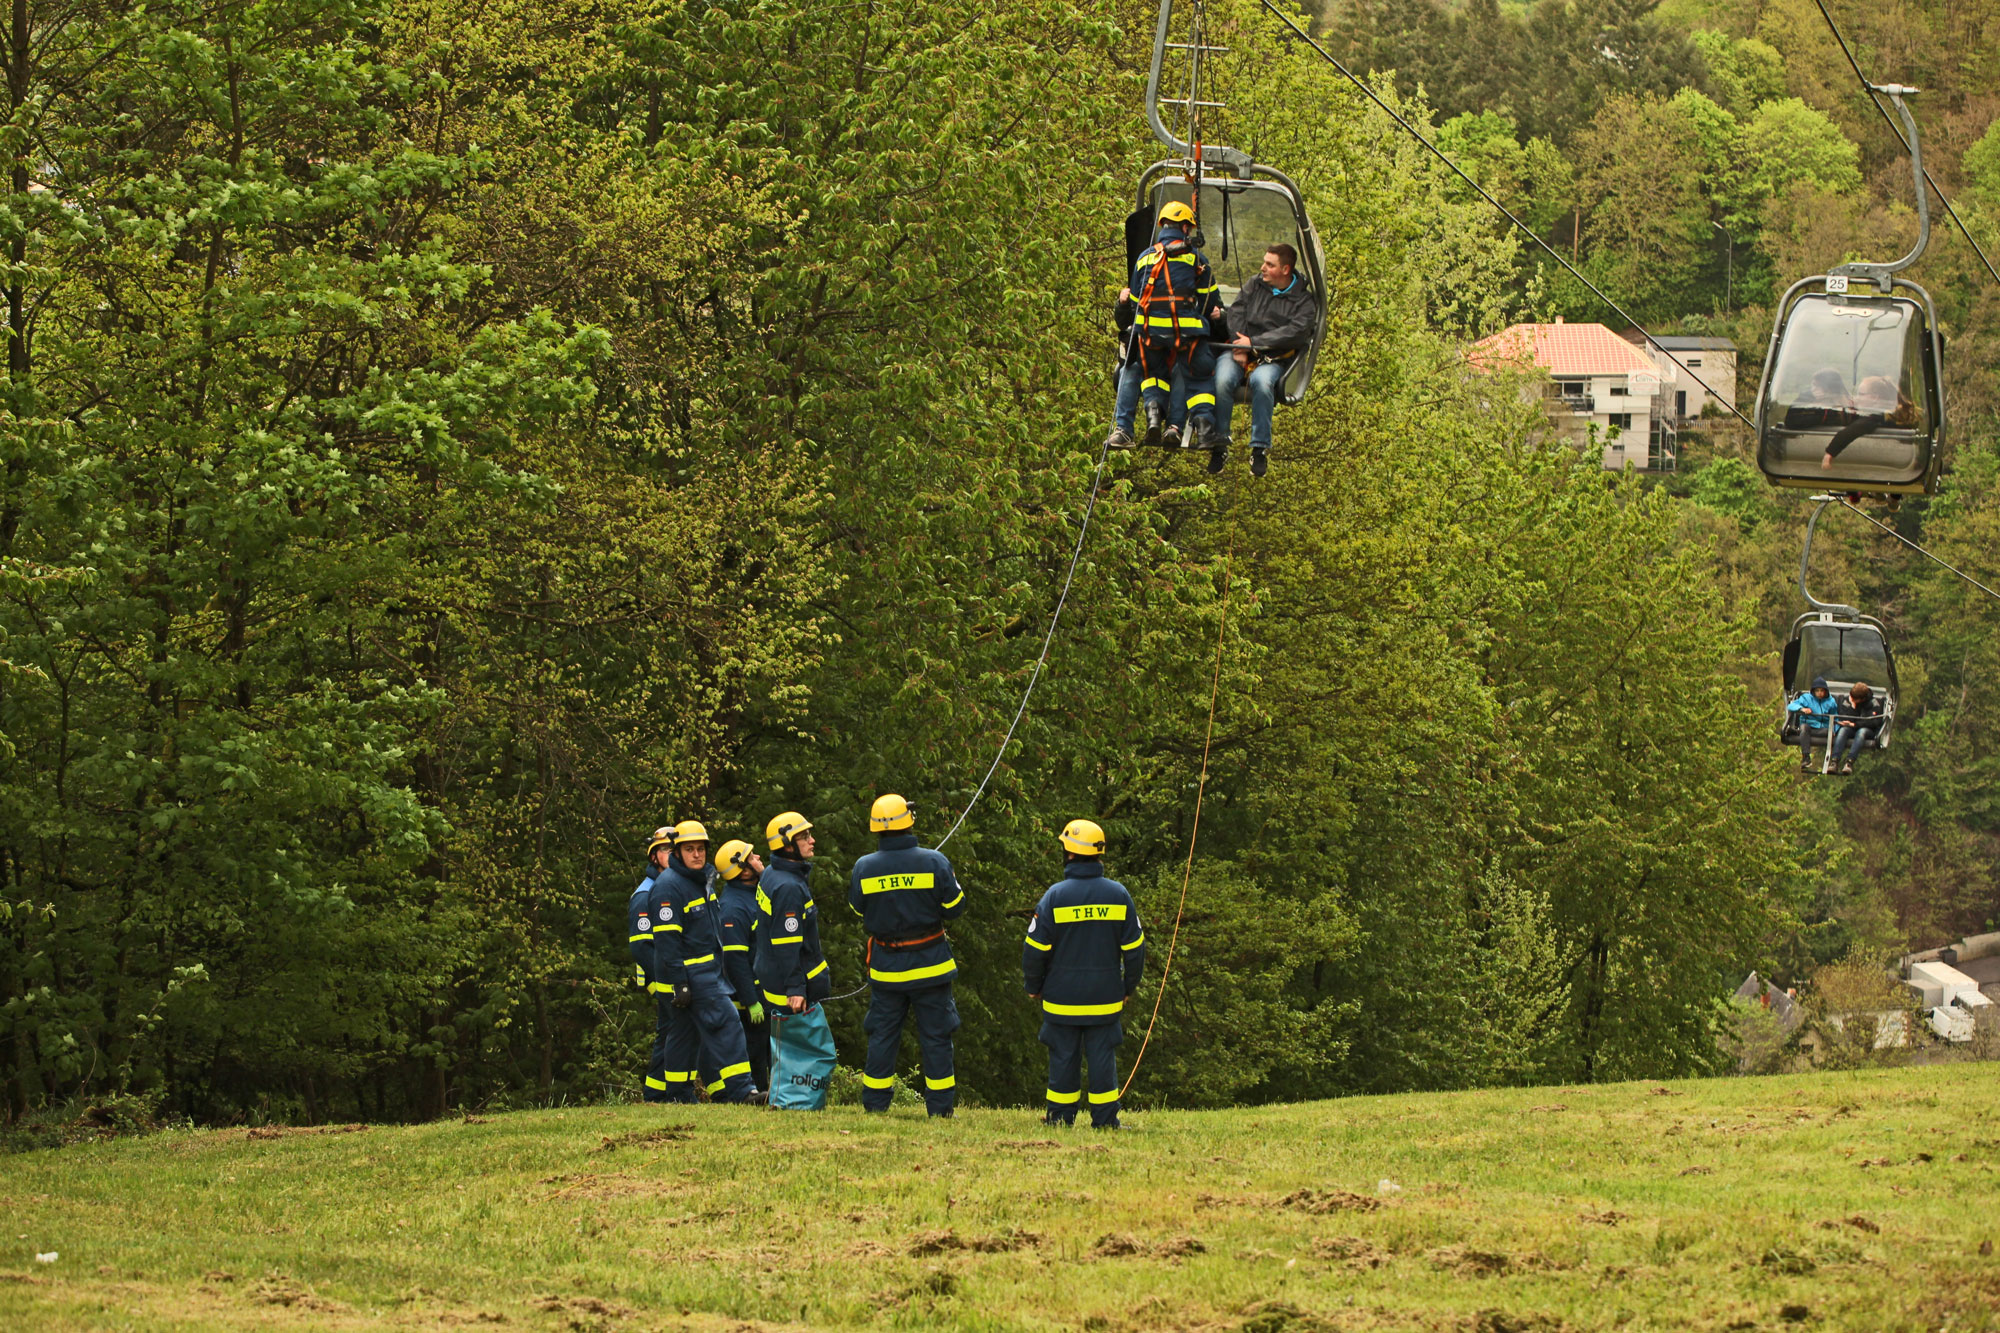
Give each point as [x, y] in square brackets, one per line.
[1167, 310]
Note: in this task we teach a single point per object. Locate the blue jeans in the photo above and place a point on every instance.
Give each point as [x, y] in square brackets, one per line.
[1849, 740]
[1264, 381]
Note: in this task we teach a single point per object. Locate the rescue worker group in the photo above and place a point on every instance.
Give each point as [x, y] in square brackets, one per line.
[731, 954]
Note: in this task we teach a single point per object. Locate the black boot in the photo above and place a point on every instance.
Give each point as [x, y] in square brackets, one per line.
[1260, 462]
[1156, 421]
[1172, 439]
[1217, 457]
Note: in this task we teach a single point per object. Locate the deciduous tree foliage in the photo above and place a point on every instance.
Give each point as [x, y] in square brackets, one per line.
[444, 442]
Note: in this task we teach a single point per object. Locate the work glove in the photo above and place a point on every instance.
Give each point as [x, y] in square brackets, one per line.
[639, 976]
[757, 1012]
[683, 997]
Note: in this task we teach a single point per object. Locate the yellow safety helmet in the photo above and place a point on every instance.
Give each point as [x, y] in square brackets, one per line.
[1177, 212]
[731, 858]
[890, 813]
[1083, 837]
[662, 837]
[784, 828]
[689, 830]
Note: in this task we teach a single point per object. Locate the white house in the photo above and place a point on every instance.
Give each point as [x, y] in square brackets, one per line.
[1595, 378]
[1710, 375]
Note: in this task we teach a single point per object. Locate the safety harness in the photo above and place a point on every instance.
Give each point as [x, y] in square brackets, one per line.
[895, 946]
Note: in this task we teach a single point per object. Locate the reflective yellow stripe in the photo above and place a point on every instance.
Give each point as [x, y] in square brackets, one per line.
[816, 971]
[693, 903]
[731, 1071]
[712, 1088]
[1174, 322]
[681, 1077]
[785, 939]
[705, 958]
[894, 883]
[1201, 400]
[1083, 1010]
[1092, 911]
[642, 935]
[655, 1084]
[1180, 259]
[1065, 1098]
[661, 988]
[1135, 943]
[870, 1081]
[945, 968]
[1099, 1098]
[940, 1084]
[1154, 384]
[1030, 939]
[777, 999]
[763, 903]
[736, 948]
[661, 930]
[955, 901]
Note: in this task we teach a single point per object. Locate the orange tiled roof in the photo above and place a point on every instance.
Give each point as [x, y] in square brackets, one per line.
[1563, 349]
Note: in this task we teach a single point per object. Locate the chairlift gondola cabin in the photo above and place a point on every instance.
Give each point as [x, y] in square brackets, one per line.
[1844, 649]
[1852, 398]
[1243, 207]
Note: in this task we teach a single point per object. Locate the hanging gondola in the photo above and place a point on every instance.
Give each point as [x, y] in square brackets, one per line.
[1242, 207]
[1852, 397]
[1840, 645]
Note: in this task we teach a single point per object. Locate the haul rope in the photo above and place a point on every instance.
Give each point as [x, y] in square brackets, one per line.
[1201, 790]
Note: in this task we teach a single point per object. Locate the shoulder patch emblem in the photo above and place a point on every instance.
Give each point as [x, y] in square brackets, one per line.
[1033, 921]
[644, 924]
[666, 913]
[791, 923]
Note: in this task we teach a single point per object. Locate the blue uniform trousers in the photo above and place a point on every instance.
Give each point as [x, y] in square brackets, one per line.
[1158, 363]
[706, 1034]
[656, 1068]
[1070, 1046]
[937, 1018]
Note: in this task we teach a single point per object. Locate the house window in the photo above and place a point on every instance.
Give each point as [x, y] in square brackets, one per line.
[1694, 363]
[1572, 388]
[1616, 391]
[1622, 420]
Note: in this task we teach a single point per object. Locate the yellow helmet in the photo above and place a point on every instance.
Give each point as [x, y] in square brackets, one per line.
[689, 830]
[662, 837]
[731, 857]
[890, 813]
[784, 828]
[1083, 837]
[1177, 212]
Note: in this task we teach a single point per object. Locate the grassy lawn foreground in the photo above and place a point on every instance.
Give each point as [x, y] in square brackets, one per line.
[1862, 1201]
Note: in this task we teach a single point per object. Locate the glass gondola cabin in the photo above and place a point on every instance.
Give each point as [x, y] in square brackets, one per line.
[1844, 651]
[1852, 397]
[1238, 220]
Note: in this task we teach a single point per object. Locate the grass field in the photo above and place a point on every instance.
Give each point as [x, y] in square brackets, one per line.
[1862, 1201]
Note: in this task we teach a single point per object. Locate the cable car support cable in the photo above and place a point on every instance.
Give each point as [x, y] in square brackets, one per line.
[1869, 87]
[1504, 211]
[1920, 550]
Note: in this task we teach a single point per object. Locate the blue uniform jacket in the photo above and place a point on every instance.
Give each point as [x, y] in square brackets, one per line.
[738, 900]
[906, 892]
[788, 959]
[686, 927]
[639, 931]
[1085, 950]
[1182, 290]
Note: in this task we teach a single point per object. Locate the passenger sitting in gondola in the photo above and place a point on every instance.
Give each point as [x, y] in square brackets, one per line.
[1168, 308]
[1880, 404]
[1826, 404]
[1814, 707]
[1273, 320]
[1860, 717]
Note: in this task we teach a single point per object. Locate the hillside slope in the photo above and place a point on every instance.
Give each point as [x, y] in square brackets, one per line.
[1836, 1201]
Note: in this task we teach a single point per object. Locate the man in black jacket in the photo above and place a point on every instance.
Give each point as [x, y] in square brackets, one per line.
[1274, 319]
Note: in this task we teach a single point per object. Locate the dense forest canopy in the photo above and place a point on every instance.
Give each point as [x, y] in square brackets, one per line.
[443, 442]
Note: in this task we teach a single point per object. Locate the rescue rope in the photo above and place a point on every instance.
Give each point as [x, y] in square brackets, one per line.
[1200, 791]
[1096, 482]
